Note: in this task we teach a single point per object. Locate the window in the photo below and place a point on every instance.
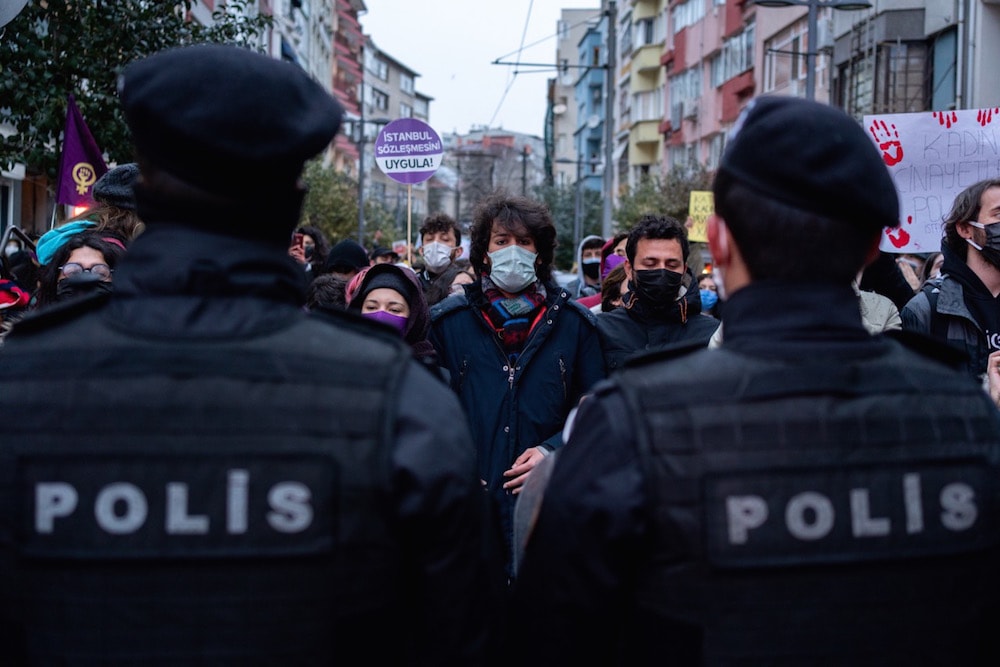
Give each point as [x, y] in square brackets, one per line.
[563, 28]
[785, 59]
[686, 85]
[595, 97]
[735, 57]
[405, 110]
[406, 83]
[595, 57]
[648, 105]
[894, 81]
[381, 69]
[649, 31]
[380, 100]
[686, 14]
[625, 43]
[715, 146]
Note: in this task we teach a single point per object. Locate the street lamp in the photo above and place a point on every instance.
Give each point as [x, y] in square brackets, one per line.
[814, 6]
[577, 199]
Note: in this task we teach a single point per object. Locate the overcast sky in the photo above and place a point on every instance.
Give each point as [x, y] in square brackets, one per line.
[451, 45]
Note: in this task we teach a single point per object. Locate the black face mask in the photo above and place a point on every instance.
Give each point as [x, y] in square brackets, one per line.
[990, 251]
[308, 250]
[657, 288]
[80, 285]
[591, 269]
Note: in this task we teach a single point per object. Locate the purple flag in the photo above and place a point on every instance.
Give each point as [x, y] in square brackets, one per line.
[81, 163]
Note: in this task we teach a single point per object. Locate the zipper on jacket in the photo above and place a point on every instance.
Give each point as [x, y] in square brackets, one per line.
[510, 377]
[462, 373]
[562, 376]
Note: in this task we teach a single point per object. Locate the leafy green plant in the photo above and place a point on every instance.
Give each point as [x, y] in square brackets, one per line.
[57, 47]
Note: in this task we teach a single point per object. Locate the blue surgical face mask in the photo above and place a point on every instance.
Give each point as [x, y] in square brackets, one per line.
[708, 299]
[398, 322]
[512, 268]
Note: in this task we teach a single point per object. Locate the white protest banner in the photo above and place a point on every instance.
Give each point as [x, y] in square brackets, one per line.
[932, 157]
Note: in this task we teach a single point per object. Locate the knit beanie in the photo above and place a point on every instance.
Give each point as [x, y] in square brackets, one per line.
[115, 186]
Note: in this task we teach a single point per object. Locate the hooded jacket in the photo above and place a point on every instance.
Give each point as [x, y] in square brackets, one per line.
[578, 287]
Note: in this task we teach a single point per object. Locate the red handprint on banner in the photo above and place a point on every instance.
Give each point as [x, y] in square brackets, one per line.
[985, 116]
[946, 118]
[887, 138]
[899, 237]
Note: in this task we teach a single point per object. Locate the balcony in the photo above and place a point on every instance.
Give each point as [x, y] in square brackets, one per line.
[647, 58]
[645, 132]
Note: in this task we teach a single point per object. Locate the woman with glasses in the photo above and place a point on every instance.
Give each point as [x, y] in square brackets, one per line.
[85, 264]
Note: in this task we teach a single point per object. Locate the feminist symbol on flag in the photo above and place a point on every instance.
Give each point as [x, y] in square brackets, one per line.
[84, 176]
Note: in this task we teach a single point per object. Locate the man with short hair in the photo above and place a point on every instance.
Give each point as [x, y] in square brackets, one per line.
[221, 478]
[805, 494]
[440, 245]
[663, 306]
[962, 307]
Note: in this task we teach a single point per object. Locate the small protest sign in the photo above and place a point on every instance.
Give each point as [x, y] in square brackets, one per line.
[700, 206]
[408, 151]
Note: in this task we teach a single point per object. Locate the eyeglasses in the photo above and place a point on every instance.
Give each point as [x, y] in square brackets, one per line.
[102, 271]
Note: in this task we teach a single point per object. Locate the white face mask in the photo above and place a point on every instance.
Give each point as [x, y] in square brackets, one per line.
[437, 256]
[11, 249]
[512, 268]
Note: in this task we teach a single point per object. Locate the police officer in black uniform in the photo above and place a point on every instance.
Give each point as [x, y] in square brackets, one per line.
[806, 494]
[200, 473]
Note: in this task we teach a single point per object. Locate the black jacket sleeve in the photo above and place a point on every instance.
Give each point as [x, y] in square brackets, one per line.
[446, 527]
[579, 561]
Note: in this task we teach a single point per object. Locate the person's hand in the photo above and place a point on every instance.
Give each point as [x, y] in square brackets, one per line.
[522, 466]
[993, 376]
[909, 274]
[298, 253]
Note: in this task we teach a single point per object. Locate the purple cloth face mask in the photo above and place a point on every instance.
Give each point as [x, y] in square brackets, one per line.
[610, 262]
[395, 321]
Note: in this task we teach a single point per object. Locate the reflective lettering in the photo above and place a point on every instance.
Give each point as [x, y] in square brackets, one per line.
[179, 522]
[862, 523]
[744, 513]
[289, 502]
[53, 499]
[136, 508]
[236, 502]
[914, 506]
[959, 509]
[795, 516]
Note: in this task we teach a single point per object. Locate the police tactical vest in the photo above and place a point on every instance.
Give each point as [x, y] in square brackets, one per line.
[198, 502]
[817, 513]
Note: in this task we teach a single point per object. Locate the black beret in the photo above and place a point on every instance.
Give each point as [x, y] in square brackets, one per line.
[347, 254]
[226, 119]
[115, 186]
[813, 157]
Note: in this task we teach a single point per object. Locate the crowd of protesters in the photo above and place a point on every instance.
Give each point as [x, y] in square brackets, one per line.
[368, 377]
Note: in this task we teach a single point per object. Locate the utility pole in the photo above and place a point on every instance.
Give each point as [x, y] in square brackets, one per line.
[609, 116]
[525, 152]
[361, 170]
